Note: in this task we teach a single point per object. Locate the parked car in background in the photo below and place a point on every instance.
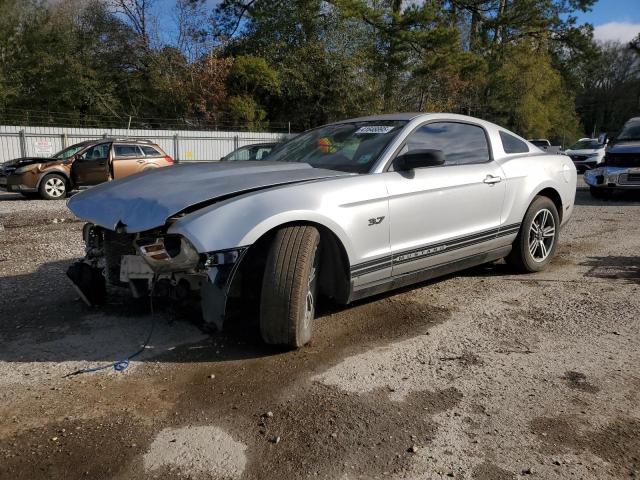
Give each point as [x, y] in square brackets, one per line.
[586, 153]
[544, 144]
[620, 169]
[257, 151]
[81, 165]
[348, 210]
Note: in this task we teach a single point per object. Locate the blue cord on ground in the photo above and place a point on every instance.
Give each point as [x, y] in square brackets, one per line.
[119, 365]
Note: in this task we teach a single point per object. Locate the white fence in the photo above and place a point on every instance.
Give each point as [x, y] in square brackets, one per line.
[182, 145]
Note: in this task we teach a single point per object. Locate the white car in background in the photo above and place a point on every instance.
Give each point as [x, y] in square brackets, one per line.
[586, 153]
[347, 210]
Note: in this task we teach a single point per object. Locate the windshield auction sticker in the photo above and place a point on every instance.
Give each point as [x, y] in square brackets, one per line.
[374, 129]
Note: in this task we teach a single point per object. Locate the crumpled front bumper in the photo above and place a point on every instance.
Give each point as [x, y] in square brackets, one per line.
[613, 177]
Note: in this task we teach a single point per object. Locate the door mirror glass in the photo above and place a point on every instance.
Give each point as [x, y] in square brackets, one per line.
[420, 158]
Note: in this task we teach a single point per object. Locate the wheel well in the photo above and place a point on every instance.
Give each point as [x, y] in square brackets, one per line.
[554, 196]
[60, 174]
[334, 266]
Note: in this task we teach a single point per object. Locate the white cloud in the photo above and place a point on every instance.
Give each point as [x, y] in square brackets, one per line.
[616, 31]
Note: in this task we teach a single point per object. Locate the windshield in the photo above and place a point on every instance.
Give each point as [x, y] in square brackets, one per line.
[630, 131]
[586, 145]
[67, 152]
[348, 147]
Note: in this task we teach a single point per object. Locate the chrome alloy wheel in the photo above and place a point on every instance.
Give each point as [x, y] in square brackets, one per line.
[55, 187]
[542, 234]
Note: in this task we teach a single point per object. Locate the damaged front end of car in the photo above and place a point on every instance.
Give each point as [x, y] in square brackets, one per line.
[154, 263]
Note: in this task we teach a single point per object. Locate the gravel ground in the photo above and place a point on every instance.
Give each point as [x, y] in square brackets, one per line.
[480, 375]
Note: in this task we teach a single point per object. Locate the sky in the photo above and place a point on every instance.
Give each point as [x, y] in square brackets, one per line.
[614, 19]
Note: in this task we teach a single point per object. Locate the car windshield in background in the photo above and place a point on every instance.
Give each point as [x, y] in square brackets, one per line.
[69, 151]
[347, 147]
[586, 145]
[540, 143]
[631, 131]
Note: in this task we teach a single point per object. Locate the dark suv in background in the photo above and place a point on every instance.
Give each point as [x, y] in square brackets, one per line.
[83, 164]
[621, 167]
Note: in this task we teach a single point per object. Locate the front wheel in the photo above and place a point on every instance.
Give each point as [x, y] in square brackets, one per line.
[289, 286]
[53, 187]
[536, 243]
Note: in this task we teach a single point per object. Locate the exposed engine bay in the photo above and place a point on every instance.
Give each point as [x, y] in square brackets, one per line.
[153, 263]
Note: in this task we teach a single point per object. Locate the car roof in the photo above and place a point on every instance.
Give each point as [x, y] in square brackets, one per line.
[422, 116]
[98, 141]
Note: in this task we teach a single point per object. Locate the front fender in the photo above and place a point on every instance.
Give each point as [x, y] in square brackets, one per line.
[241, 221]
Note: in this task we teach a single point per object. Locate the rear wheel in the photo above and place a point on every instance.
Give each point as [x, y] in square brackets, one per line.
[53, 187]
[536, 243]
[289, 286]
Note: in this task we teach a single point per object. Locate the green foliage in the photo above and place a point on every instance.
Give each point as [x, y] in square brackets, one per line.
[525, 64]
[528, 94]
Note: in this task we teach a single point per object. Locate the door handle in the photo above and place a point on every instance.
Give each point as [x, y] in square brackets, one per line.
[141, 161]
[490, 179]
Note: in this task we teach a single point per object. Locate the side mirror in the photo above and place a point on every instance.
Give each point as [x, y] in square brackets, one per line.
[421, 158]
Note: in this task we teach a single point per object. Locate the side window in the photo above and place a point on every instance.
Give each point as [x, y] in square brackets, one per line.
[96, 152]
[262, 152]
[241, 154]
[461, 143]
[123, 151]
[512, 144]
[150, 151]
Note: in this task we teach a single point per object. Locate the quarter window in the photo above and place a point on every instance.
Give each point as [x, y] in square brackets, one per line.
[150, 151]
[126, 151]
[512, 144]
[461, 143]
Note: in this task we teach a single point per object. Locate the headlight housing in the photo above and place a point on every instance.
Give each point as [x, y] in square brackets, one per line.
[26, 168]
[168, 253]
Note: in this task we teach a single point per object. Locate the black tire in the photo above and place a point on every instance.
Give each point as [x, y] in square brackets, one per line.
[289, 287]
[522, 257]
[53, 187]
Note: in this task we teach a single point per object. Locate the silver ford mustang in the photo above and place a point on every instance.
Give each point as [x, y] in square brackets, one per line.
[346, 210]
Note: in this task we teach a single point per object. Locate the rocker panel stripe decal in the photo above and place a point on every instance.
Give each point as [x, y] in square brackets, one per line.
[433, 249]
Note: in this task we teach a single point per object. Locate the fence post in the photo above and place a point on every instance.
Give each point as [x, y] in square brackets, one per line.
[235, 142]
[176, 148]
[23, 143]
[64, 140]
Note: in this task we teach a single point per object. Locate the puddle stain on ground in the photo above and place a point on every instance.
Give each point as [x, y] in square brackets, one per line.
[617, 442]
[578, 381]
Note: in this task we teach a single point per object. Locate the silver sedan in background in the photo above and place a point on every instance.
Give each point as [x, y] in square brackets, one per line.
[346, 210]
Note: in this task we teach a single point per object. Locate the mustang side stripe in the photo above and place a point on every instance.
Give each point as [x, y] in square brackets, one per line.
[429, 250]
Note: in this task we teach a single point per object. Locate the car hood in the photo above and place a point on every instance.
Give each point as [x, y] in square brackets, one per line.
[586, 151]
[146, 200]
[625, 147]
[23, 161]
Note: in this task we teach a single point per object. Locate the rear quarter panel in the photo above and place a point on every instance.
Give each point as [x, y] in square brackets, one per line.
[528, 175]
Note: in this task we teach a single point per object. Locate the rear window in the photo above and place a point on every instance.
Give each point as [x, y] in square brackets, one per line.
[512, 144]
[126, 151]
[150, 151]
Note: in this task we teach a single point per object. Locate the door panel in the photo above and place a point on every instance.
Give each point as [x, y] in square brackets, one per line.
[448, 212]
[92, 166]
[127, 160]
[443, 214]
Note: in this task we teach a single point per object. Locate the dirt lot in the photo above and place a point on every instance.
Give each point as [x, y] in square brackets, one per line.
[481, 375]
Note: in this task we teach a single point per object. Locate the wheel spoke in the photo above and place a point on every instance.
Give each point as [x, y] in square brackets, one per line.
[533, 246]
[549, 232]
[543, 249]
[545, 217]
